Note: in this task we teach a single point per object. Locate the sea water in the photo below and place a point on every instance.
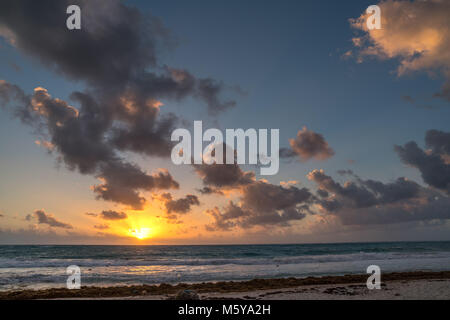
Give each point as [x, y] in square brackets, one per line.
[26, 266]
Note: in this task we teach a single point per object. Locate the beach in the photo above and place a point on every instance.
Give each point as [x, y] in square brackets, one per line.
[403, 285]
[410, 270]
[45, 267]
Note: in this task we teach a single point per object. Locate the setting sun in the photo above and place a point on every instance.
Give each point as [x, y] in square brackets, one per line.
[142, 233]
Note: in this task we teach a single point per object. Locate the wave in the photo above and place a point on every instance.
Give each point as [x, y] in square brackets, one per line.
[323, 258]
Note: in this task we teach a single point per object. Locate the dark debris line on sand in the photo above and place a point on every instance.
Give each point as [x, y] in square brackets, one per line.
[204, 287]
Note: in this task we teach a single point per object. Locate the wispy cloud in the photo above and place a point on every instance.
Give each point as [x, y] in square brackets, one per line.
[45, 218]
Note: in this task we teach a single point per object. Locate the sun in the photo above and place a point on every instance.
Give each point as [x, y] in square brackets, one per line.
[141, 233]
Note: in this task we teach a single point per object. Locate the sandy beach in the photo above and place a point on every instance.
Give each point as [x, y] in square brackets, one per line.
[403, 285]
[395, 290]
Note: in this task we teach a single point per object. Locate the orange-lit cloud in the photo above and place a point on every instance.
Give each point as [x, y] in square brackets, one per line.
[46, 144]
[308, 145]
[415, 32]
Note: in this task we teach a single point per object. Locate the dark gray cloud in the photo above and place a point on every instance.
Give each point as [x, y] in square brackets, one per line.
[48, 219]
[209, 90]
[109, 30]
[121, 182]
[218, 177]
[426, 208]
[108, 215]
[112, 215]
[438, 141]
[113, 51]
[224, 175]
[434, 163]
[263, 204]
[260, 204]
[361, 193]
[115, 54]
[322, 193]
[267, 197]
[308, 145]
[145, 135]
[78, 138]
[227, 218]
[209, 190]
[364, 202]
[9, 92]
[179, 206]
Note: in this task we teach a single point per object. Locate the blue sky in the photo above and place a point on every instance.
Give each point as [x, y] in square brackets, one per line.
[288, 57]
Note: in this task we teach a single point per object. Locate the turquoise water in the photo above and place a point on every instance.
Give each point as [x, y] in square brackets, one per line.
[45, 266]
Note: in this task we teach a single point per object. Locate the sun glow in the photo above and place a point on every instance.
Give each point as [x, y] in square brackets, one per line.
[141, 233]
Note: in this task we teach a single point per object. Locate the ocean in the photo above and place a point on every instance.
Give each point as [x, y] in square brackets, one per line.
[44, 266]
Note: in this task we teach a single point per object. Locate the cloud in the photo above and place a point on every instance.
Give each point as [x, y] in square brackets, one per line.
[227, 218]
[115, 55]
[12, 93]
[91, 214]
[367, 202]
[223, 176]
[209, 190]
[414, 32]
[361, 193]
[288, 183]
[48, 219]
[79, 140]
[438, 141]
[178, 206]
[122, 180]
[114, 50]
[209, 90]
[108, 215]
[308, 145]
[112, 215]
[433, 164]
[101, 226]
[262, 204]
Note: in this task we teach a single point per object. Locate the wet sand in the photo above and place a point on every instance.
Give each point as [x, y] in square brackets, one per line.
[400, 285]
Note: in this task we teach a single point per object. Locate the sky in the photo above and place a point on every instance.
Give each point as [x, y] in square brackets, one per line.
[86, 118]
